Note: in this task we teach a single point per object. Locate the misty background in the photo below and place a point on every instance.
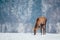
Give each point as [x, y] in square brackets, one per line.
[19, 16]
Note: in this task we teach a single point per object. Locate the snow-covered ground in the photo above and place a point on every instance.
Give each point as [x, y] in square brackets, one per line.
[28, 36]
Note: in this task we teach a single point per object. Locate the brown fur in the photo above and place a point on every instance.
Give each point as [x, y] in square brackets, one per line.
[40, 23]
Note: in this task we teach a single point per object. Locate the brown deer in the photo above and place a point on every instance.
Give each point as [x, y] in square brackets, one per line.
[40, 23]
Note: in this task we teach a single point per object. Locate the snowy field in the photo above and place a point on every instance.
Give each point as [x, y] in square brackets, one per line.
[28, 36]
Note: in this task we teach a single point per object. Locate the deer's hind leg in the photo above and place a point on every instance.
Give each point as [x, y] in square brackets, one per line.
[41, 28]
[44, 29]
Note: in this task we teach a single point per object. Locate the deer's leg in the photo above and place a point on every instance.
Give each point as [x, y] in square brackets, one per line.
[44, 29]
[41, 29]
